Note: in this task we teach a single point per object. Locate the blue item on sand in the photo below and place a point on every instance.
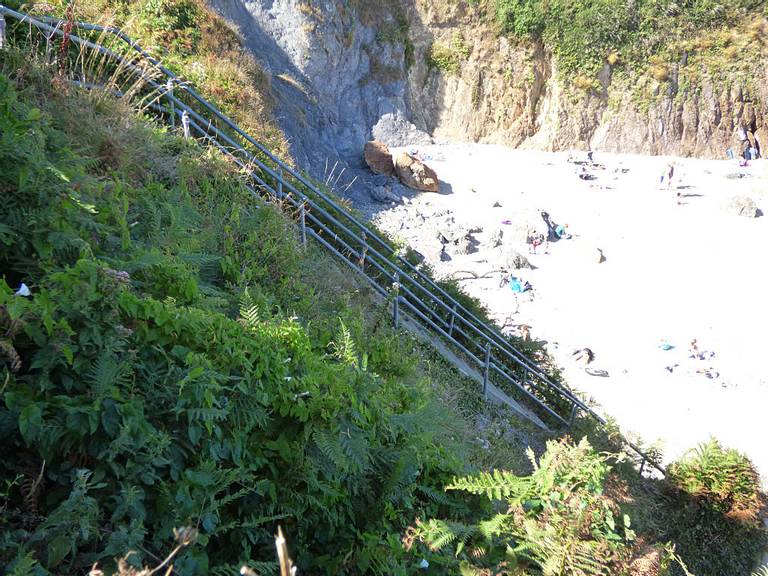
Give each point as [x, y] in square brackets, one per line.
[666, 346]
[515, 285]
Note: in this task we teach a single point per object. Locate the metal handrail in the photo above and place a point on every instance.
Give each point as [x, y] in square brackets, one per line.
[374, 250]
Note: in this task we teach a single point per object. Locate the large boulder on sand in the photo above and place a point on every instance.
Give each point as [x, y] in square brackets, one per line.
[415, 174]
[511, 259]
[378, 158]
[742, 206]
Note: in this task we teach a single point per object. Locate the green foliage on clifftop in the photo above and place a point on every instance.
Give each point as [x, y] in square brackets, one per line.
[585, 34]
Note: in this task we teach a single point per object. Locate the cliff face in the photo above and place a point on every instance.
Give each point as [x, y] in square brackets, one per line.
[346, 71]
[511, 94]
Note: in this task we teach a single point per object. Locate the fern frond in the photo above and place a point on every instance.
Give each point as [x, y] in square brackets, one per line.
[329, 444]
[355, 446]
[493, 485]
[494, 526]
[433, 495]
[343, 347]
[438, 534]
[249, 311]
[401, 478]
[249, 523]
[106, 374]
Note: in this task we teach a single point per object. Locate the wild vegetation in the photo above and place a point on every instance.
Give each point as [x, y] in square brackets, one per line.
[182, 360]
[199, 46]
[586, 34]
[449, 58]
[172, 367]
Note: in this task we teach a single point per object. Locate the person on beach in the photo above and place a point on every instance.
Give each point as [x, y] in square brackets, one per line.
[669, 174]
[534, 241]
[561, 230]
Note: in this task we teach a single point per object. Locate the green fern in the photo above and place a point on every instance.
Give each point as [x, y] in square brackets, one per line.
[249, 311]
[107, 375]
[440, 533]
[329, 444]
[493, 485]
[343, 347]
[556, 519]
[762, 571]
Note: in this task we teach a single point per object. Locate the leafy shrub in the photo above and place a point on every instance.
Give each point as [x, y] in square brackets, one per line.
[449, 58]
[520, 17]
[144, 390]
[723, 477]
[555, 521]
[584, 34]
[196, 44]
[717, 498]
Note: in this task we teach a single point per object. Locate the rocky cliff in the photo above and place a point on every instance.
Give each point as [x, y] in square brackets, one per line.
[405, 70]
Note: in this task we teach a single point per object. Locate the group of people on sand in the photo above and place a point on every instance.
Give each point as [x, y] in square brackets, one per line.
[555, 232]
[701, 360]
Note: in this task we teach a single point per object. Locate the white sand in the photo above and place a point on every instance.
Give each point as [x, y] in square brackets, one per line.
[672, 272]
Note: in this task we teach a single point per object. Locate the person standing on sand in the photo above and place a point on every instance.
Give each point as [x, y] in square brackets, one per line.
[669, 173]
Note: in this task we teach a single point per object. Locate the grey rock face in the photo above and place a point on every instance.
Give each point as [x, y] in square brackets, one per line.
[742, 206]
[395, 130]
[332, 78]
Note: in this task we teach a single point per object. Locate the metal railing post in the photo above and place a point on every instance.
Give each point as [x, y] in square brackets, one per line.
[363, 252]
[396, 302]
[574, 411]
[487, 368]
[280, 182]
[171, 105]
[2, 32]
[185, 123]
[303, 211]
[453, 321]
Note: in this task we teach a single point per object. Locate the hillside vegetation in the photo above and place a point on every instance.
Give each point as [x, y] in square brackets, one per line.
[586, 34]
[180, 361]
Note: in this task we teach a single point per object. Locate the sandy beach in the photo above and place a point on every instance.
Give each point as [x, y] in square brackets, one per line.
[672, 273]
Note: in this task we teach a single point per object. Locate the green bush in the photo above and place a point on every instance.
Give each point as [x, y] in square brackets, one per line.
[716, 499]
[147, 389]
[555, 521]
[583, 34]
[449, 58]
[521, 18]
